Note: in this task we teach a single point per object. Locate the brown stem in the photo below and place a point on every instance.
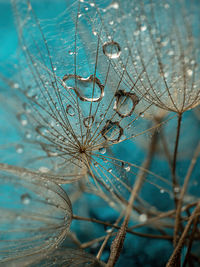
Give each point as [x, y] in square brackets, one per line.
[166, 237]
[117, 243]
[174, 259]
[183, 191]
[174, 163]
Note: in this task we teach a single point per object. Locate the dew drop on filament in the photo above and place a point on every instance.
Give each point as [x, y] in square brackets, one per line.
[112, 131]
[19, 149]
[25, 199]
[23, 119]
[125, 103]
[88, 121]
[102, 150]
[111, 49]
[87, 89]
[70, 110]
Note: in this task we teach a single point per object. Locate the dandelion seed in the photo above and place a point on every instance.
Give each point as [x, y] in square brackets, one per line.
[26, 226]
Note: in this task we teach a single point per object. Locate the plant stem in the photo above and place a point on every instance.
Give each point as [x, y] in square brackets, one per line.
[174, 163]
[183, 191]
[174, 259]
[117, 243]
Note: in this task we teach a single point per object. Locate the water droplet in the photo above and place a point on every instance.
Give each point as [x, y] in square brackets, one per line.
[143, 28]
[189, 72]
[15, 85]
[111, 49]
[125, 103]
[41, 130]
[113, 5]
[162, 191]
[127, 168]
[176, 189]
[71, 53]
[87, 89]
[110, 170]
[27, 108]
[88, 121]
[70, 110]
[143, 218]
[23, 119]
[102, 150]
[25, 199]
[28, 135]
[43, 169]
[19, 149]
[112, 131]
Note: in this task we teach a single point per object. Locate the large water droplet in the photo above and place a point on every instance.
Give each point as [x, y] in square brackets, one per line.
[87, 89]
[70, 110]
[25, 199]
[88, 121]
[111, 49]
[112, 131]
[125, 103]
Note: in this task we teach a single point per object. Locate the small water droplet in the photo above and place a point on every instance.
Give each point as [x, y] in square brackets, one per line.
[28, 135]
[125, 103]
[143, 218]
[27, 108]
[15, 85]
[111, 49]
[87, 89]
[127, 168]
[70, 110]
[19, 149]
[88, 121]
[143, 28]
[42, 130]
[189, 72]
[162, 191]
[176, 189]
[23, 119]
[112, 131]
[43, 169]
[102, 150]
[25, 199]
[110, 170]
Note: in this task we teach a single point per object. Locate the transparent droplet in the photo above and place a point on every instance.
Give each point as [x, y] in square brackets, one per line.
[112, 131]
[143, 218]
[23, 119]
[127, 168]
[125, 103]
[27, 108]
[19, 149]
[113, 5]
[42, 130]
[88, 121]
[87, 89]
[25, 199]
[15, 85]
[109, 170]
[70, 110]
[189, 72]
[176, 189]
[28, 135]
[111, 49]
[162, 191]
[102, 150]
[43, 169]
